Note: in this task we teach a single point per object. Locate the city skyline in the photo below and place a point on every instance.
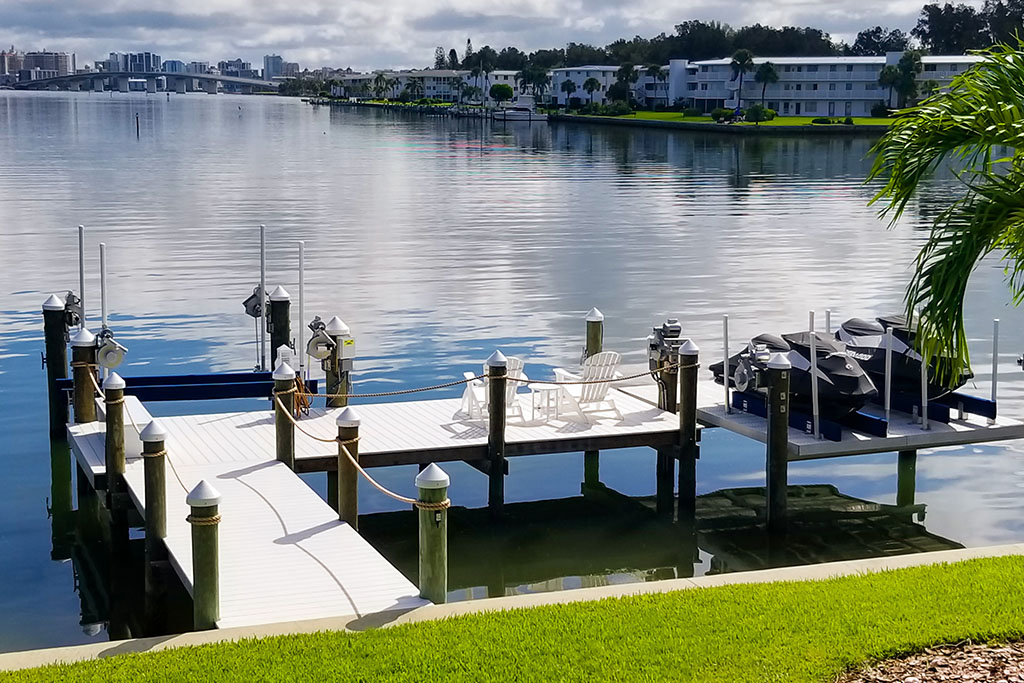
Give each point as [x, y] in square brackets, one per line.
[398, 33]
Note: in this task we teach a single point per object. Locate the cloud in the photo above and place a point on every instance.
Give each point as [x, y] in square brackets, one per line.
[395, 33]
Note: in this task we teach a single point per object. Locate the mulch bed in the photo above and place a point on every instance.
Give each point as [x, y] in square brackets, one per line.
[965, 661]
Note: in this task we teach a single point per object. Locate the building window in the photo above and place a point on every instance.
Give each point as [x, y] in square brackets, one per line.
[788, 68]
[800, 87]
[785, 87]
[704, 86]
[849, 68]
[691, 86]
[704, 68]
[849, 86]
[832, 68]
[812, 68]
[814, 86]
[953, 67]
[929, 67]
[831, 86]
[799, 69]
[871, 86]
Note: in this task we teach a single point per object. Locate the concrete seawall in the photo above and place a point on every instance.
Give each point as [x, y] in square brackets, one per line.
[725, 128]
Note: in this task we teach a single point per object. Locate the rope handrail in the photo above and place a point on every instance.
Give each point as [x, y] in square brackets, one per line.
[382, 394]
[343, 444]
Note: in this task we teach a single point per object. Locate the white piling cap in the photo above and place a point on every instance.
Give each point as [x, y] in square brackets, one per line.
[280, 294]
[336, 326]
[595, 316]
[348, 418]
[689, 348]
[83, 338]
[113, 381]
[779, 361]
[497, 360]
[53, 303]
[203, 495]
[283, 371]
[433, 478]
[152, 432]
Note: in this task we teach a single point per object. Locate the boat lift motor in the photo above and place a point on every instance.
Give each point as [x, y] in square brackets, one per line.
[254, 307]
[72, 312]
[320, 345]
[663, 346]
[110, 353]
[749, 375]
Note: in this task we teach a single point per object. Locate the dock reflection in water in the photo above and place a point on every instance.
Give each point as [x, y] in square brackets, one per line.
[605, 538]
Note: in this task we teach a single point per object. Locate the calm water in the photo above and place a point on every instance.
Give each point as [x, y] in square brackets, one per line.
[438, 241]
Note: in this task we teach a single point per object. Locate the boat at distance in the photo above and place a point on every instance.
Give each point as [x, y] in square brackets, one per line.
[523, 109]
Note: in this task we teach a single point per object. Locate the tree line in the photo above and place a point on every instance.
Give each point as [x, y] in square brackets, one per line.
[941, 29]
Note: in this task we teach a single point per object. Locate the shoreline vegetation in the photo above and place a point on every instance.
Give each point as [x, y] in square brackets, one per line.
[787, 631]
[672, 120]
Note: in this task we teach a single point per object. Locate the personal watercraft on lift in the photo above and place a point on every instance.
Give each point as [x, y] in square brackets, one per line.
[865, 341]
[843, 385]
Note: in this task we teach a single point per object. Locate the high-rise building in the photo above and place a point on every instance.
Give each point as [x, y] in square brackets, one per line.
[60, 62]
[116, 61]
[143, 62]
[290, 69]
[173, 66]
[10, 61]
[273, 65]
[197, 67]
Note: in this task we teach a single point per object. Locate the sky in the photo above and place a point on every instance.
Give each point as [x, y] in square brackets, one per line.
[367, 34]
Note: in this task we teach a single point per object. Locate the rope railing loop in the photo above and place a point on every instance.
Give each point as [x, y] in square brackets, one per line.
[203, 521]
[154, 454]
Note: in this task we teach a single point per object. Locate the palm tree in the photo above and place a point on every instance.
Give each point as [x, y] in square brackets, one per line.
[522, 79]
[655, 72]
[541, 83]
[889, 78]
[764, 75]
[475, 73]
[591, 85]
[971, 126]
[458, 85]
[415, 88]
[568, 87]
[742, 62]
[380, 85]
[486, 68]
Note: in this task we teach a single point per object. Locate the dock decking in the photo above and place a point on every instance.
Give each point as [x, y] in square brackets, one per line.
[904, 432]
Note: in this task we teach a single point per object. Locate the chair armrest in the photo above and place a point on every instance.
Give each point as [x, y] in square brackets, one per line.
[563, 375]
[471, 376]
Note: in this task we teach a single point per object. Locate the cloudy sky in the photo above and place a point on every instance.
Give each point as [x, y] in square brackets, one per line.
[394, 33]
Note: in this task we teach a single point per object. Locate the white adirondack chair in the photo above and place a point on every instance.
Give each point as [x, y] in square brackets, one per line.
[590, 398]
[475, 398]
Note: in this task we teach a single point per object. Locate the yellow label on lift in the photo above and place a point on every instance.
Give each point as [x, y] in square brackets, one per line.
[349, 342]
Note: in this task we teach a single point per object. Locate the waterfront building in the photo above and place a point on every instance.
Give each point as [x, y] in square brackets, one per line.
[60, 62]
[273, 65]
[807, 86]
[197, 68]
[173, 66]
[579, 75]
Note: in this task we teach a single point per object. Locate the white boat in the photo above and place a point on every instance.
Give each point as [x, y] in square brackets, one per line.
[523, 109]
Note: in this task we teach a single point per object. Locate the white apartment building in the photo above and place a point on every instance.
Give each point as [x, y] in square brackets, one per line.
[579, 75]
[807, 86]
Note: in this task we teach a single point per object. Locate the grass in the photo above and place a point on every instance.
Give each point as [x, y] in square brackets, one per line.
[807, 631]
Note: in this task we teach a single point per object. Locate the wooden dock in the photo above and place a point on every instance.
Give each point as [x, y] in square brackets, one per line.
[904, 432]
[284, 553]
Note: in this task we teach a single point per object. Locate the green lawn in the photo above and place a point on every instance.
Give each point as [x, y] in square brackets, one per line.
[808, 631]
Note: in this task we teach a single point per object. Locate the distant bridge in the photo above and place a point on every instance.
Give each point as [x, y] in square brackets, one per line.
[118, 80]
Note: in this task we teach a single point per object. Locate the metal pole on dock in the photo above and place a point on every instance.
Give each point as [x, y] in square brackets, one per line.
[301, 348]
[888, 373]
[995, 362]
[432, 486]
[83, 362]
[665, 468]
[153, 454]
[284, 385]
[828, 321]
[595, 344]
[336, 378]
[906, 478]
[348, 477]
[113, 391]
[924, 390]
[815, 410]
[280, 321]
[777, 464]
[56, 348]
[688, 450]
[81, 274]
[103, 295]
[497, 370]
[725, 361]
[263, 297]
[204, 501]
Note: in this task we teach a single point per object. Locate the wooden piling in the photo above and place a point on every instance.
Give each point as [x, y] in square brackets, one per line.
[280, 322]
[336, 379]
[83, 362]
[204, 501]
[113, 390]
[153, 453]
[777, 465]
[665, 467]
[688, 448]
[906, 478]
[348, 477]
[55, 334]
[595, 344]
[432, 486]
[497, 370]
[284, 385]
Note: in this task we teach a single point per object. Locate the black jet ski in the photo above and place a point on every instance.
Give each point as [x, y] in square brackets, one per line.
[843, 385]
[865, 341]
